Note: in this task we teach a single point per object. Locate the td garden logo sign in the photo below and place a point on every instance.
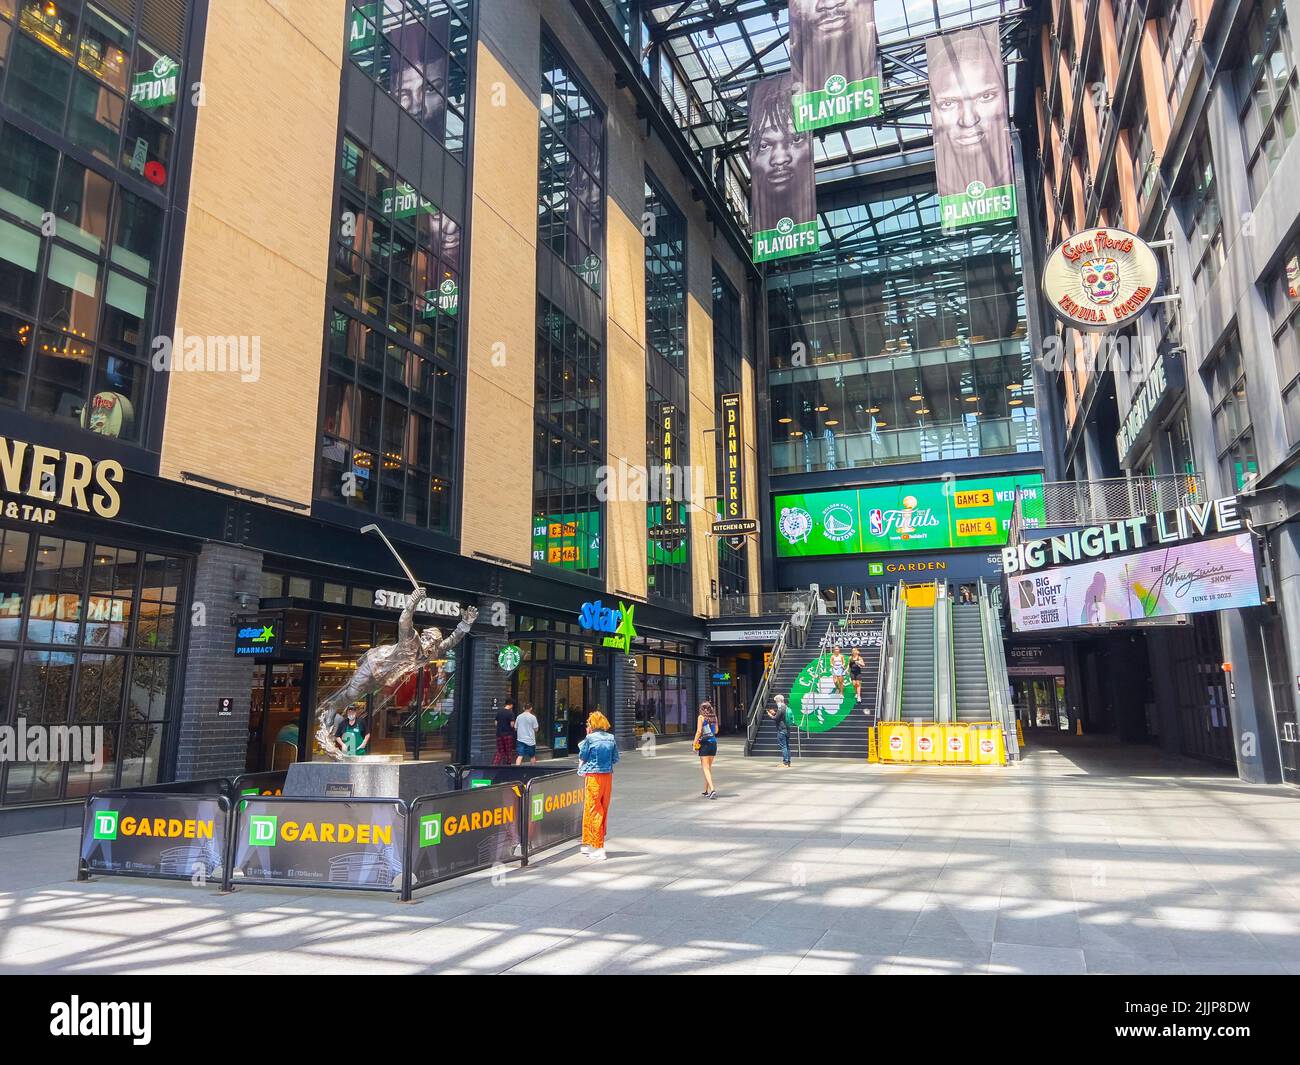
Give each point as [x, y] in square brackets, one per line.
[1101, 279]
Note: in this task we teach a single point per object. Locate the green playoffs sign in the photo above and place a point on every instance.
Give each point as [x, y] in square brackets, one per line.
[978, 203]
[788, 238]
[154, 835]
[554, 805]
[920, 516]
[839, 100]
[402, 201]
[358, 844]
[445, 299]
[156, 87]
[462, 831]
[815, 705]
[361, 28]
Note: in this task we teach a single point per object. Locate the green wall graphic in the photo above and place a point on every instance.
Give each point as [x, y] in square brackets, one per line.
[815, 706]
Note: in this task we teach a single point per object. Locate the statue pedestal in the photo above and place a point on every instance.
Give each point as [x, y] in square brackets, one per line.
[370, 776]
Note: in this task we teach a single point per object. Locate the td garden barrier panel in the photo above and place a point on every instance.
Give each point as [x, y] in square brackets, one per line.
[461, 832]
[268, 783]
[480, 776]
[172, 835]
[553, 804]
[357, 844]
[965, 743]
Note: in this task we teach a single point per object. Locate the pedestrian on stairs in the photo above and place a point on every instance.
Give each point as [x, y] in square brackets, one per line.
[706, 743]
[855, 674]
[780, 713]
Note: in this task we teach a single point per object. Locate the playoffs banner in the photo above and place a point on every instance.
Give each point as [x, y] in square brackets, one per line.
[782, 197]
[347, 844]
[972, 135]
[179, 836]
[835, 63]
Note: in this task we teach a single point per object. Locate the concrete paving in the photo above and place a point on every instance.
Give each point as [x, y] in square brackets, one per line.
[1085, 858]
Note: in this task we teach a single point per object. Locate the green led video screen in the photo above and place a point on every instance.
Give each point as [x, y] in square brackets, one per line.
[922, 516]
[570, 541]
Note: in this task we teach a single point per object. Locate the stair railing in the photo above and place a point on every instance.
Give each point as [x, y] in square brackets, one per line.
[995, 669]
[794, 630]
[885, 626]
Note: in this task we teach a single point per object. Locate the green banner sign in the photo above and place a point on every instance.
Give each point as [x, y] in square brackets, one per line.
[840, 101]
[402, 201]
[977, 204]
[571, 541]
[785, 240]
[156, 87]
[925, 516]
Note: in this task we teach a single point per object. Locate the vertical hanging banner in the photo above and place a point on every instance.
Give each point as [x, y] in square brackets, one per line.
[972, 134]
[668, 454]
[733, 484]
[835, 62]
[782, 196]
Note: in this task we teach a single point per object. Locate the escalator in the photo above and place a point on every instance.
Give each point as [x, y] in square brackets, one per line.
[917, 702]
[970, 664]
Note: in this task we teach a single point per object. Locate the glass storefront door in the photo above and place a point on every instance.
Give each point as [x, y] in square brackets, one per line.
[1040, 702]
[274, 717]
[576, 694]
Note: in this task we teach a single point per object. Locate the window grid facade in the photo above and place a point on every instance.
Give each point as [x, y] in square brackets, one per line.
[1267, 93]
[418, 52]
[1284, 292]
[388, 421]
[1234, 437]
[1204, 218]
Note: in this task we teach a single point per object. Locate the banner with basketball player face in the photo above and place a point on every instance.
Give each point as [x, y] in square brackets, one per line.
[782, 196]
[972, 134]
[833, 57]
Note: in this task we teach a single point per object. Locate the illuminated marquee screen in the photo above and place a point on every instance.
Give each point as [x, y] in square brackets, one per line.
[924, 516]
[1186, 578]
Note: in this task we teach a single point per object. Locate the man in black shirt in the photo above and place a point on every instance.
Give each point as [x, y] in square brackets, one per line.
[506, 734]
[780, 713]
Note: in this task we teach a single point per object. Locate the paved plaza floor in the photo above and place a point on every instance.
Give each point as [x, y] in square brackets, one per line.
[1085, 858]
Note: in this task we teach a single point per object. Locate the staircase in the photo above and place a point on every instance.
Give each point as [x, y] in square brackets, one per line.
[837, 733]
[918, 666]
[969, 667]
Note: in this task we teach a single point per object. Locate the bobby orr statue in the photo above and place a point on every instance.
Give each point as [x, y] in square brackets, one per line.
[387, 665]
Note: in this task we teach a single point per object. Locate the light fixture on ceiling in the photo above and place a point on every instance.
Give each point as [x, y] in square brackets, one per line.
[873, 410]
[832, 421]
[785, 421]
[916, 398]
[821, 408]
[972, 399]
[922, 410]
[1016, 403]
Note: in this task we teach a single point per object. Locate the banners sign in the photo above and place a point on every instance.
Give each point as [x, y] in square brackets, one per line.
[835, 63]
[353, 844]
[971, 119]
[1100, 279]
[154, 835]
[1218, 574]
[465, 830]
[553, 807]
[926, 516]
[782, 194]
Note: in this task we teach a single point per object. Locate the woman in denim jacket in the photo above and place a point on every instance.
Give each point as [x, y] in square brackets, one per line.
[597, 754]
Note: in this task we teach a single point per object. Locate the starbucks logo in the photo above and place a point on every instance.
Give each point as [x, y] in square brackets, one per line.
[785, 226]
[795, 524]
[836, 84]
[976, 189]
[509, 657]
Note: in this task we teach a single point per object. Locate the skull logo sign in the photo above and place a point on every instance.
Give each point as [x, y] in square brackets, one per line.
[1100, 278]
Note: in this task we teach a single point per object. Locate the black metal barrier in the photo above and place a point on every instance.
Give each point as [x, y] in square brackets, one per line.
[244, 831]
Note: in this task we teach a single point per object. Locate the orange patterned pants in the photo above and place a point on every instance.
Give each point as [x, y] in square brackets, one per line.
[595, 812]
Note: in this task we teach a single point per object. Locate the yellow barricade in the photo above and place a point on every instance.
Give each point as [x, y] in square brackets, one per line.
[988, 747]
[957, 743]
[967, 743]
[894, 741]
[929, 744]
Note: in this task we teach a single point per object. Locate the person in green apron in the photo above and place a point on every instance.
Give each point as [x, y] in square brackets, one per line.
[352, 734]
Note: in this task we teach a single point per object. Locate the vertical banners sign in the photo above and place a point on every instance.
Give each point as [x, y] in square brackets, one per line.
[733, 477]
[668, 456]
[972, 135]
[835, 63]
[782, 197]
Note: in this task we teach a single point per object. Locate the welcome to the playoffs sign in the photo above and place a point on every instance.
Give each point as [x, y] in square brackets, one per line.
[972, 127]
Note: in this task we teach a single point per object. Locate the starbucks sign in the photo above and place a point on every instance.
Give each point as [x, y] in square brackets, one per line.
[509, 657]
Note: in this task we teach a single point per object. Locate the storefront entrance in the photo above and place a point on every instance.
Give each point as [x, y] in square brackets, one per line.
[275, 717]
[576, 694]
[1040, 702]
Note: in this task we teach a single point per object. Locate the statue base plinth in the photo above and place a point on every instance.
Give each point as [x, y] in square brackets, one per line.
[378, 776]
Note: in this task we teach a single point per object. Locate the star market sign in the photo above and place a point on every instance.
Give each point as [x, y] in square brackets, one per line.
[1101, 279]
[596, 617]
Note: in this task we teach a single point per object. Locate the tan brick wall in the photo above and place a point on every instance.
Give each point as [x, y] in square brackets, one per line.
[625, 421]
[703, 451]
[497, 512]
[257, 243]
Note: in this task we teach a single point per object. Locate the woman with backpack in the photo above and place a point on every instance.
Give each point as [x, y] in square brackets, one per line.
[706, 743]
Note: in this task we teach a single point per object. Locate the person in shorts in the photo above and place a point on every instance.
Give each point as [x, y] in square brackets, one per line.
[706, 743]
[856, 665]
[505, 734]
[838, 667]
[526, 736]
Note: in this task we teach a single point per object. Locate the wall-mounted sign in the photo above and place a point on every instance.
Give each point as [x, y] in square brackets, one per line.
[972, 127]
[721, 680]
[1188, 578]
[920, 516]
[735, 527]
[108, 414]
[35, 479]
[259, 637]
[156, 87]
[1195, 521]
[834, 60]
[596, 617]
[402, 201]
[1152, 402]
[225, 707]
[509, 657]
[733, 465]
[744, 635]
[782, 194]
[1100, 279]
[386, 599]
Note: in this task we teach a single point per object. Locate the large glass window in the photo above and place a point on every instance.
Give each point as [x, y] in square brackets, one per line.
[568, 445]
[899, 342]
[418, 52]
[570, 206]
[392, 349]
[1267, 91]
[1234, 437]
[90, 634]
[665, 689]
[1203, 220]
